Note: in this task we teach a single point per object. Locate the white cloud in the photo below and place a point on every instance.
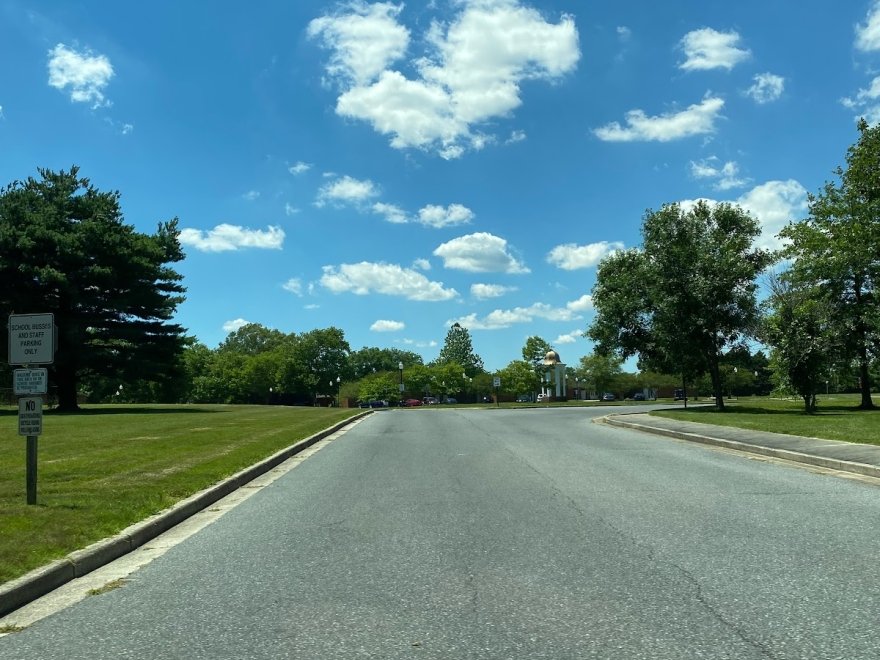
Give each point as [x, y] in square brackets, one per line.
[251, 195]
[868, 35]
[773, 204]
[232, 326]
[294, 285]
[387, 326]
[504, 318]
[225, 237]
[289, 209]
[725, 176]
[624, 33]
[390, 279]
[438, 217]
[346, 190]
[697, 119]
[364, 41]
[391, 213]
[471, 73]
[516, 136]
[422, 264]
[479, 253]
[709, 49]
[582, 304]
[569, 338]
[486, 291]
[2, 116]
[84, 73]
[574, 257]
[866, 102]
[299, 168]
[768, 87]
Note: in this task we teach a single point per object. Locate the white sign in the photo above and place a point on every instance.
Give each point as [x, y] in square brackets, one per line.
[30, 416]
[31, 338]
[30, 381]
[496, 381]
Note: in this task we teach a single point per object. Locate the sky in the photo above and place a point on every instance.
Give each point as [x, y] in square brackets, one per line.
[393, 168]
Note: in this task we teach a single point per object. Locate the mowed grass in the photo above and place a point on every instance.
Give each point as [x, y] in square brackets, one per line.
[110, 466]
[837, 418]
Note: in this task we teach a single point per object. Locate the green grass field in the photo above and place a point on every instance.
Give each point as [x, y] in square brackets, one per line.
[111, 466]
[837, 418]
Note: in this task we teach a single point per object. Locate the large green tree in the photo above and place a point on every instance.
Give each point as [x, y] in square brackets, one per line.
[688, 294]
[65, 249]
[459, 349]
[836, 249]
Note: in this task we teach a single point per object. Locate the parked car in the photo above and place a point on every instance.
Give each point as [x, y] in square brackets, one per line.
[639, 396]
[411, 403]
[678, 395]
[523, 398]
[430, 400]
[543, 397]
[608, 396]
[450, 399]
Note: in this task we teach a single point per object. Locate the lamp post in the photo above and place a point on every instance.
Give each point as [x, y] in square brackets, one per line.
[400, 385]
[338, 381]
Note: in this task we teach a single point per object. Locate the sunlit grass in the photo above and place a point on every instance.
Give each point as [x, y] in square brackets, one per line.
[110, 466]
[837, 418]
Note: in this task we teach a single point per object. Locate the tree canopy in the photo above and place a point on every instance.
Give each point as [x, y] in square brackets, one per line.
[458, 349]
[65, 249]
[836, 252]
[688, 294]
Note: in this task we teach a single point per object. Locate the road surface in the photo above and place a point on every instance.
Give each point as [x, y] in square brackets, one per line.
[494, 534]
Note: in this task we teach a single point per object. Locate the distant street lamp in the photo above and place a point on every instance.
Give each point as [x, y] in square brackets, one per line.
[400, 385]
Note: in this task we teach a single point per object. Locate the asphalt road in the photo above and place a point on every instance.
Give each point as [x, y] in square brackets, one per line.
[505, 534]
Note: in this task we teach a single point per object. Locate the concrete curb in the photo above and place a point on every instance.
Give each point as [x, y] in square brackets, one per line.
[40, 581]
[786, 454]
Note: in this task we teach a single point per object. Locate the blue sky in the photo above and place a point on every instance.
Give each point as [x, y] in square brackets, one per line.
[391, 169]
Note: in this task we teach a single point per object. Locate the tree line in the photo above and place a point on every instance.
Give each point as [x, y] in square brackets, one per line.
[685, 303]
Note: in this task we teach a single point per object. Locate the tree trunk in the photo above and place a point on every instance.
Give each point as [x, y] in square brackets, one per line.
[717, 388]
[65, 379]
[865, 380]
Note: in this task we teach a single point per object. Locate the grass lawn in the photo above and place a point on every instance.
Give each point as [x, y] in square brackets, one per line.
[837, 417]
[110, 466]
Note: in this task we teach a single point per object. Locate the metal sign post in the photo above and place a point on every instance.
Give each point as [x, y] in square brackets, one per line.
[31, 341]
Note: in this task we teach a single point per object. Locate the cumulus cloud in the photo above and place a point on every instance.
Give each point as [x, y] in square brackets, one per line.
[226, 237]
[389, 279]
[479, 253]
[768, 87]
[438, 216]
[868, 35]
[709, 49]
[346, 190]
[363, 38]
[294, 286]
[251, 195]
[290, 209]
[299, 168]
[387, 326]
[232, 326]
[569, 338]
[582, 304]
[697, 119]
[773, 204]
[574, 257]
[470, 74]
[487, 291]
[391, 213]
[504, 318]
[422, 264]
[724, 177]
[865, 103]
[83, 73]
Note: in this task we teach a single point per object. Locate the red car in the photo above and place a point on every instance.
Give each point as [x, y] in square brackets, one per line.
[409, 403]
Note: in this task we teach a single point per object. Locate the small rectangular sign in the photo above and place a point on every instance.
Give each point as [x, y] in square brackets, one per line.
[31, 338]
[30, 416]
[496, 381]
[30, 381]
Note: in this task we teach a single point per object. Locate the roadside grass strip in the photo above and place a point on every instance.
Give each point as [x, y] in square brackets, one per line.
[109, 467]
[837, 418]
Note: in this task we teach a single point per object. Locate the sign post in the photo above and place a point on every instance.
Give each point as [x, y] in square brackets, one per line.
[496, 383]
[31, 341]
